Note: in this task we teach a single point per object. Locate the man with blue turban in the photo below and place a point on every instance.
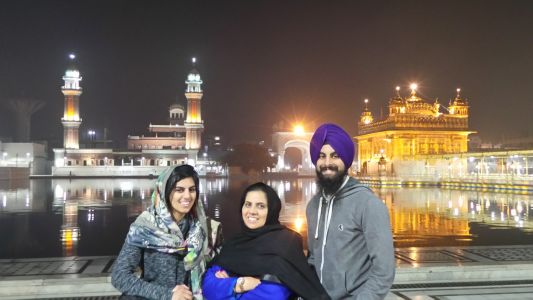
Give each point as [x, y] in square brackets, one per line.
[349, 233]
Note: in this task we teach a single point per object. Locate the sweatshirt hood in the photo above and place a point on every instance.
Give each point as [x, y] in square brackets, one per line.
[351, 187]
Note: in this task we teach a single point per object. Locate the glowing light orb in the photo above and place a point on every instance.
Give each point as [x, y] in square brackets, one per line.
[299, 129]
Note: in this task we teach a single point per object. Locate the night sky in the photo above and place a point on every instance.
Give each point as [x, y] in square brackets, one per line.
[266, 61]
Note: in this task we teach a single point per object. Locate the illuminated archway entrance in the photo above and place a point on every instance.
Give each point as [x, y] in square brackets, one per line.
[293, 158]
[288, 144]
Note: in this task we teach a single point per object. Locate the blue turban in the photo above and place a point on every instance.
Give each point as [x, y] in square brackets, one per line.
[337, 138]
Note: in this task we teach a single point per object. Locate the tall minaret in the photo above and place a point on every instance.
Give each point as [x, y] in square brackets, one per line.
[71, 116]
[194, 123]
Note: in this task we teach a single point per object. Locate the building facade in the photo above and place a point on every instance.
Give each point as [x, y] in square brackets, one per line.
[180, 133]
[175, 143]
[412, 128]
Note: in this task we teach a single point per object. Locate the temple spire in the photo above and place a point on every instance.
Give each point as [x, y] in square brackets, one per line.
[366, 115]
[413, 87]
[459, 106]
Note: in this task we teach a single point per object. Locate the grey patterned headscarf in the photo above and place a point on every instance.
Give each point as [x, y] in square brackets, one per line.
[156, 229]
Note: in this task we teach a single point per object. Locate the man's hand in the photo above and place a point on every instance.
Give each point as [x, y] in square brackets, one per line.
[181, 292]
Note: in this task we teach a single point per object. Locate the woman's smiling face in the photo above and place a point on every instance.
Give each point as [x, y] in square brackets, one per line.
[255, 209]
[182, 197]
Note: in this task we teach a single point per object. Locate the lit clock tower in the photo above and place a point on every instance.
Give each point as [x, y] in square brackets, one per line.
[71, 116]
[194, 123]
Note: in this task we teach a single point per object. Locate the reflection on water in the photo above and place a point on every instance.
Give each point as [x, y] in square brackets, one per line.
[435, 217]
[61, 217]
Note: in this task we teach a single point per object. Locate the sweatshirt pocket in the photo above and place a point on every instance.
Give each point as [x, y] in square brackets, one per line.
[334, 283]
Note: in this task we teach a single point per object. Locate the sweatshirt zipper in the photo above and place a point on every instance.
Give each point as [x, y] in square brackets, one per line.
[327, 221]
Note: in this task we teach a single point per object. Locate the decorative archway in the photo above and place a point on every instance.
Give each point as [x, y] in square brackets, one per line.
[281, 141]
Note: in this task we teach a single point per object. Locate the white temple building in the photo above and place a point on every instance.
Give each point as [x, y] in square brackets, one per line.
[175, 143]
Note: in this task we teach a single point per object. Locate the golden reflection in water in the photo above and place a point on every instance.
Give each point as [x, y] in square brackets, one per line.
[298, 224]
[70, 232]
[419, 216]
[425, 216]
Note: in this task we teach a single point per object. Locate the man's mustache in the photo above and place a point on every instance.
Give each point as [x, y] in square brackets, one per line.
[330, 167]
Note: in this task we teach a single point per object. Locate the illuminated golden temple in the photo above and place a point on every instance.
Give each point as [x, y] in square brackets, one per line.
[413, 127]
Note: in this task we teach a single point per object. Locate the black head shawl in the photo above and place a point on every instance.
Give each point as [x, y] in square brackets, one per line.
[271, 250]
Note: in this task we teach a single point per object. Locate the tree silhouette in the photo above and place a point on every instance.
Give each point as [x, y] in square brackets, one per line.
[249, 157]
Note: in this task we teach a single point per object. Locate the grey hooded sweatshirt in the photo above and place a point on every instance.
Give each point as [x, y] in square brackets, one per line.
[352, 249]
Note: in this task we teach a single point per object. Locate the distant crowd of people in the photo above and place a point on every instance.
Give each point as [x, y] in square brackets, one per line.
[174, 251]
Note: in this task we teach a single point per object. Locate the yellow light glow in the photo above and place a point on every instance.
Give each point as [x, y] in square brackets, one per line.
[68, 236]
[298, 224]
[413, 86]
[70, 115]
[366, 101]
[298, 129]
[398, 88]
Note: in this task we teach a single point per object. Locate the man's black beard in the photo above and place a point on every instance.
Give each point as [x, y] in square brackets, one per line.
[330, 184]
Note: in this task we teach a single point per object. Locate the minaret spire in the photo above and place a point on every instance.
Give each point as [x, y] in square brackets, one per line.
[194, 83]
[71, 115]
[194, 122]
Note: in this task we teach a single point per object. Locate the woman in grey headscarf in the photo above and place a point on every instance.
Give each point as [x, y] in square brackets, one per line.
[168, 241]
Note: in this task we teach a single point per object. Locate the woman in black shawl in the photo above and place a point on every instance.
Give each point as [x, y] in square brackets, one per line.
[266, 260]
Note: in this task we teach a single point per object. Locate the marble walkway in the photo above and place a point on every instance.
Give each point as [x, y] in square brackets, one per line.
[454, 273]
